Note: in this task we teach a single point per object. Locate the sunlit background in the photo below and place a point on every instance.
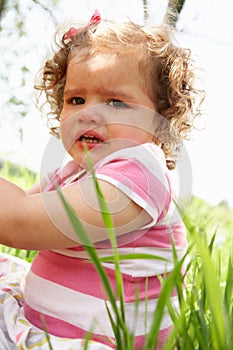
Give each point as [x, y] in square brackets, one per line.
[206, 26]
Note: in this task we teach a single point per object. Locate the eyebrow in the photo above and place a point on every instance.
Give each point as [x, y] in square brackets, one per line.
[114, 93]
[101, 91]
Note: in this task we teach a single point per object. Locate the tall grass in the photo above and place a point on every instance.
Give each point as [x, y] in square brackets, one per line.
[204, 319]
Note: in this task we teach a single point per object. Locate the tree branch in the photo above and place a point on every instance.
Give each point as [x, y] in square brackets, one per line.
[145, 11]
[2, 7]
[174, 8]
[46, 9]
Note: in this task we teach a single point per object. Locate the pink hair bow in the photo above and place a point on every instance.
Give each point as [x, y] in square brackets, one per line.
[95, 19]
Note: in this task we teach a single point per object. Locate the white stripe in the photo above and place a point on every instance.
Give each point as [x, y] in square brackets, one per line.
[146, 267]
[134, 267]
[82, 310]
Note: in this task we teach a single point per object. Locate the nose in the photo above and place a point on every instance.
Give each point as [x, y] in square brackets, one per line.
[91, 115]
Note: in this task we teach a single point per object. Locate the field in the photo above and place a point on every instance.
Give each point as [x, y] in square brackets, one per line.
[205, 317]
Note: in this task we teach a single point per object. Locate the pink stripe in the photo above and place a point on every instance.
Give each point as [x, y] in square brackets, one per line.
[139, 179]
[167, 200]
[157, 237]
[68, 272]
[162, 337]
[58, 327]
[65, 330]
[161, 237]
[72, 273]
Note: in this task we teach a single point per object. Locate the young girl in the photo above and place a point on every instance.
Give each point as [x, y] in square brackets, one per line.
[127, 92]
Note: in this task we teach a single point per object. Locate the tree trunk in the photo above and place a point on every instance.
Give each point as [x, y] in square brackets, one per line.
[145, 11]
[2, 7]
[174, 8]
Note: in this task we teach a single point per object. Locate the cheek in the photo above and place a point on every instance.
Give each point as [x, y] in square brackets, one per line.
[130, 132]
[141, 136]
[67, 131]
[65, 113]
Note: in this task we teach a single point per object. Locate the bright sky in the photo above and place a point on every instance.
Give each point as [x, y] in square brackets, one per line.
[206, 27]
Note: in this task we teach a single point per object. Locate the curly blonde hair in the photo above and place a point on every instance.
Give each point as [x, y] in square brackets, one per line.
[167, 68]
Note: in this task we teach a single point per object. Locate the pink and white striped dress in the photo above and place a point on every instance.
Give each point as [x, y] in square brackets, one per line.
[62, 287]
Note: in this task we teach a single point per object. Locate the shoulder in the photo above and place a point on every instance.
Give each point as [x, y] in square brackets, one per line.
[150, 155]
[140, 163]
[140, 173]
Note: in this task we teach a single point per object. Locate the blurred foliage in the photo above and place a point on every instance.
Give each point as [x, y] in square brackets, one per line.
[21, 176]
[20, 51]
[214, 222]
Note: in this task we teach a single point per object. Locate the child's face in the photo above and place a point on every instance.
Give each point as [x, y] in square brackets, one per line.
[105, 105]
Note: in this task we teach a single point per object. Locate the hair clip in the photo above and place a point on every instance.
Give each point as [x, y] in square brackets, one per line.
[95, 19]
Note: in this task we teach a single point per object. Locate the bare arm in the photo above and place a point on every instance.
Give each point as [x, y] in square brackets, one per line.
[38, 221]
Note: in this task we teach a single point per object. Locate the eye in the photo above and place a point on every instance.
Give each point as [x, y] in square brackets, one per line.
[117, 104]
[76, 101]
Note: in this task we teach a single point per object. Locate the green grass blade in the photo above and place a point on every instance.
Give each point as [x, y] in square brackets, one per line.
[86, 242]
[211, 287]
[167, 288]
[133, 256]
[116, 329]
[112, 236]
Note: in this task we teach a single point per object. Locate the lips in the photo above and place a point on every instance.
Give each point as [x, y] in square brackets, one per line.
[91, 138]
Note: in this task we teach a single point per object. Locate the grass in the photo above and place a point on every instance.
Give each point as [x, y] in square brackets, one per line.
[214, 221]
[204, 320]
[23, 177]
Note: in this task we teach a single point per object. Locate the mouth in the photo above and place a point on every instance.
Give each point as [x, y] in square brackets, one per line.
[91, 139]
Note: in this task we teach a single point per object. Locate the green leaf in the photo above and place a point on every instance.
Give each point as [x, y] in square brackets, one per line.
[133, 256]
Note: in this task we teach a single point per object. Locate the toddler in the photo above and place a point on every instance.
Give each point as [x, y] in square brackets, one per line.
[125, 93]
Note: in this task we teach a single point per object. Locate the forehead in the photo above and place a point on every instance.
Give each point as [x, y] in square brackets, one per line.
[108, 63]
[105, 71]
